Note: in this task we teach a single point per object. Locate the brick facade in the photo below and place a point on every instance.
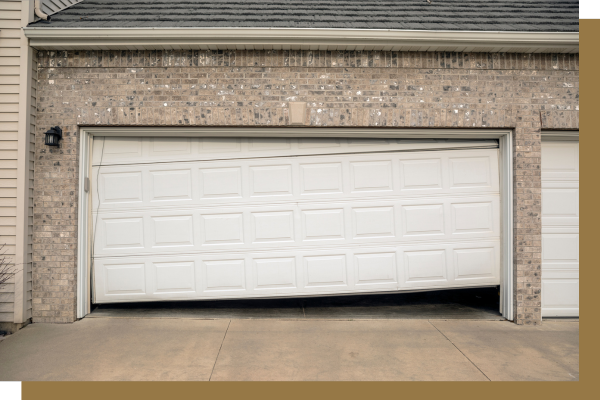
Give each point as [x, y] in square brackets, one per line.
[523, 92]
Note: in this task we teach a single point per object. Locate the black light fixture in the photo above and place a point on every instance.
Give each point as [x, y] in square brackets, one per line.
[53, 135]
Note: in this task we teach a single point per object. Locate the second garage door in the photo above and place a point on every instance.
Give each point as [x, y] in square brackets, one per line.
[193, 218]
[560, 228]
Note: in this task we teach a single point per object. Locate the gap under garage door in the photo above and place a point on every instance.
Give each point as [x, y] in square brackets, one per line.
[216, 218]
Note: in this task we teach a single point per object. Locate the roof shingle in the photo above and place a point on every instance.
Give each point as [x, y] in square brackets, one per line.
[462, 15]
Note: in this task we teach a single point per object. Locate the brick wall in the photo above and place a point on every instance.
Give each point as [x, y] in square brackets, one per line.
[246, 88]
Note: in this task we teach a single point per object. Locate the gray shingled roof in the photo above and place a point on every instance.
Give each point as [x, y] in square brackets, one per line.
[464, 15]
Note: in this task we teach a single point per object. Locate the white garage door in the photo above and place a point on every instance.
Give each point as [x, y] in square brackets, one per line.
[560, 229]
[192, 218]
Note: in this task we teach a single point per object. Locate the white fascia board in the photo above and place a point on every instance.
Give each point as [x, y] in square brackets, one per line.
[224, 38]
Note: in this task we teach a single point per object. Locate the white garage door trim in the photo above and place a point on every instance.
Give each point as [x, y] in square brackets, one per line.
[504, 136]
[560, 224]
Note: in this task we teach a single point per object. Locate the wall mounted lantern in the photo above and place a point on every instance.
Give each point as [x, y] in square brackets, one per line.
[53, 135]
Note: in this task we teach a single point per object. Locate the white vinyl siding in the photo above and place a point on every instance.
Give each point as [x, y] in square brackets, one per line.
[10, 23]
[10, 89]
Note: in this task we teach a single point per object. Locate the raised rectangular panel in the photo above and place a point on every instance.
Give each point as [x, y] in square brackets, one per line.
[375, 268]
[220, 145]
[318, 143]
[323, 224]
[127, 147]
[470, 172]
[560, 157]
[221, 182]
[273, 226]
[174, 277]
[321, 178]
[374, 222]
[421, 174]
[271, 180]
[472, 217]
[121, 187]
[275, 273]
[222, 228]
[560, 202]
[425, 265]
[423, 220]
[267, 144]
[171, 146]
[371, 176]
[123, 232]
[560, 293]
[171, 185]
[474, 263]
[325, 270]
[367, 142]
[125, 279]
[225, 275]
[173, 231]
[560, 247]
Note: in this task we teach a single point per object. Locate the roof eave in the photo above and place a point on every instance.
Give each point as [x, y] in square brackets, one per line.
[299, 39]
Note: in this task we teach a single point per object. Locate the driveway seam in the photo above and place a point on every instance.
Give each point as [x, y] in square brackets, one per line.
[219, 352]
[475, 365]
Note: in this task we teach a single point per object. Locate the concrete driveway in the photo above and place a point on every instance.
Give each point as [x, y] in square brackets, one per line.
[291, 350]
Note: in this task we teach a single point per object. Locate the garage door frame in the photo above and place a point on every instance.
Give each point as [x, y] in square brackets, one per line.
[87, 135]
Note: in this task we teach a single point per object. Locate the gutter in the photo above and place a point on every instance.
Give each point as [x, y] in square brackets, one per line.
[296, 39]
[38, 11]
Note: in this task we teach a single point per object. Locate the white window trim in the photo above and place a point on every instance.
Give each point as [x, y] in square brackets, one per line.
[506, 182]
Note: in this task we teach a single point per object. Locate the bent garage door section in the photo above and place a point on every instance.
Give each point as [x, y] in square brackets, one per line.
[198, 218]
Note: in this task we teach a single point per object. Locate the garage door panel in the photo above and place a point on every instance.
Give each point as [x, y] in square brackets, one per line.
[163, 147]
[560, 156]
[252, 226]
[560, 297]
[423, 220]
[174, 277]
[474, 263]
[372, 176]
[275, 273]
[172, 231]
[122, 233]
[122, 279]
[131, 150]
[297, 178]
[451, 265]
[293, 225]
[170, 185]
[474, 217]
[376, 269]
[225, 146]
[470, 172]
[560, 229]
[323, 224]
[320, 178]
[284, 272]
[222, 228]
[560, 248]
[120, 188]
[417, 175]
